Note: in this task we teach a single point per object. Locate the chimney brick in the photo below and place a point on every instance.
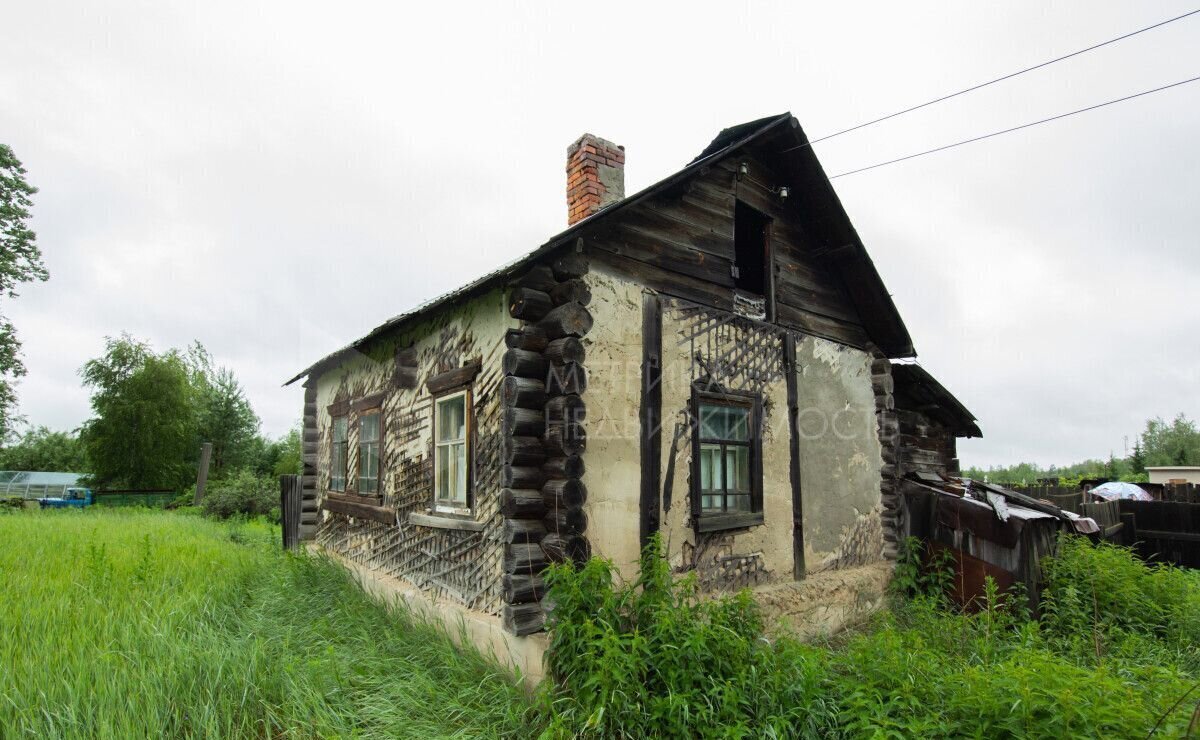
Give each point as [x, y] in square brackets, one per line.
[595, 176]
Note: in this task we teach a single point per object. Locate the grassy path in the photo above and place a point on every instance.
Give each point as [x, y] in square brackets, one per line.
[139, 624]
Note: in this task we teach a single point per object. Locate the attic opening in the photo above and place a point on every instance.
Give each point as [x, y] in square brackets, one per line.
[752, 252]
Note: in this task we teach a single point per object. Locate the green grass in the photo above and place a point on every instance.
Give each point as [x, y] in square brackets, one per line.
[119, 623]
[1115, 656]
[136, 623]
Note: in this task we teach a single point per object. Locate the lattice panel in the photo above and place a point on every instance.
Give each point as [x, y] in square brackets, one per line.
[739, 354]
[461, 566]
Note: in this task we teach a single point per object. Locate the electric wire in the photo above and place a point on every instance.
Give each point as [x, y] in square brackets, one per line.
[1014, 128]
[1009, 76]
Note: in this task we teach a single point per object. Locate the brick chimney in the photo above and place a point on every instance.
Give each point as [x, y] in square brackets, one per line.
[595, 176]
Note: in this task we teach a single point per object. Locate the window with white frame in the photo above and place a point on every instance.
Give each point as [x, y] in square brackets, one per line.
[452, 457]
[337, 453]
[369, 437]
[727, 473]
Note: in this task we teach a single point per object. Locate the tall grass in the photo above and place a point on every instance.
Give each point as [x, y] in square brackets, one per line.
[138, 624]
[654, 657]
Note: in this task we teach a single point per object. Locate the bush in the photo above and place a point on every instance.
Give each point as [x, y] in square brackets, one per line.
[654, 658]
[1107, 590]
[242, 493]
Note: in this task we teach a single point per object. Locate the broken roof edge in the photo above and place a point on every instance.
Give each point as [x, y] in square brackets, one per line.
[554, 242]
[912, 372]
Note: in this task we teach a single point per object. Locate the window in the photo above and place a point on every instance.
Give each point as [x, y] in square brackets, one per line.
[369, 434]
[727, 471]
[337, 454]
[451, 456]
[751, 250]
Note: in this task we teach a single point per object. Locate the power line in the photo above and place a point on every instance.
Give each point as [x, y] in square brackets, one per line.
[998, 79]
[1015, 128]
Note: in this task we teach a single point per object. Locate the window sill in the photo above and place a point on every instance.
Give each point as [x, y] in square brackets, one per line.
[721, 522]
[374, 499]
[360, 507]
[443, 521]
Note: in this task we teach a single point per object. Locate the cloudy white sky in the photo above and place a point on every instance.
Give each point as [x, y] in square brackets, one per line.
[275, 179]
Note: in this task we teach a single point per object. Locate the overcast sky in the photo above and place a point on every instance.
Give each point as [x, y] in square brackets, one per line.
[275, 179]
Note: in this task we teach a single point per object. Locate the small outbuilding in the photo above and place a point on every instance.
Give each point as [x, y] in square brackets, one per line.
[1174, 474]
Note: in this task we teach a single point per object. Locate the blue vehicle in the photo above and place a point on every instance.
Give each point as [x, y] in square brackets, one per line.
[72, 498]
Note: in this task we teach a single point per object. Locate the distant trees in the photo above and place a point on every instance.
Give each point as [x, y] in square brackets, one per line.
[1174, 443]
[42, 449]
[1161, 443]
[152, 411]
[224, 415]
[20, 262]
[143, 430]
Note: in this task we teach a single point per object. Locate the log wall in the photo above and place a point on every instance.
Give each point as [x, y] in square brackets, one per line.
[544, 433]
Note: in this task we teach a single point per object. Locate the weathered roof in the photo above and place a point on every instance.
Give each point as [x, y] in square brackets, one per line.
[917, 390]
[878, 312]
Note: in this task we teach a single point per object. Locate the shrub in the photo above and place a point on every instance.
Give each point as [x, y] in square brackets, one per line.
[242, 493]
[654, 658]
[1109, 588]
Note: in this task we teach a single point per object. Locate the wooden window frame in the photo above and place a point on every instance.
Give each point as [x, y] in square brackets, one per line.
[360, 412]
[444, 508]
[335, 414]
[768, 292]
[712, 521]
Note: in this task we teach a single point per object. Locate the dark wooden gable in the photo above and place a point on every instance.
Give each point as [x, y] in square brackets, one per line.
[677, 236]
[680, 241]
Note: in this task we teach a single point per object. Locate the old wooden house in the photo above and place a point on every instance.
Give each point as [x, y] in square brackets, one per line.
[709, 358]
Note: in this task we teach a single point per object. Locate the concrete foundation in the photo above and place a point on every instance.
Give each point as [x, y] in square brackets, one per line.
[522, 655]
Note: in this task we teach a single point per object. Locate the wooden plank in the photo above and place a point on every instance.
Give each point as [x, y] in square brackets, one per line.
[650, 413]
[660, 250]
[793, 402]
[380, 514]
[627, 264]
[455, 378]
[445, 522]
[374, 400]
[821, 326]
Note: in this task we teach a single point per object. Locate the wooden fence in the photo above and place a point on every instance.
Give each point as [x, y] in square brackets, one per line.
[1164, 531]
[154, 497]
[1184, 493]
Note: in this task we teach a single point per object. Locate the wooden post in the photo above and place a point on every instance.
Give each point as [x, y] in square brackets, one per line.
[289, 509]
[202, 474]
[651, 417]
[793, 401]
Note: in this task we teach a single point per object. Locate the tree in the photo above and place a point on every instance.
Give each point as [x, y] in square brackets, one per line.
[1177, 443]
[20, 262]
[144, 423]
[225, 417]
[1137, 461]
[43, 450]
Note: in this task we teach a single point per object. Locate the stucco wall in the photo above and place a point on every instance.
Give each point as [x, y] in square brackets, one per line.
[840, 456]
[463, 567]
[613, 457]
[840, 453]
